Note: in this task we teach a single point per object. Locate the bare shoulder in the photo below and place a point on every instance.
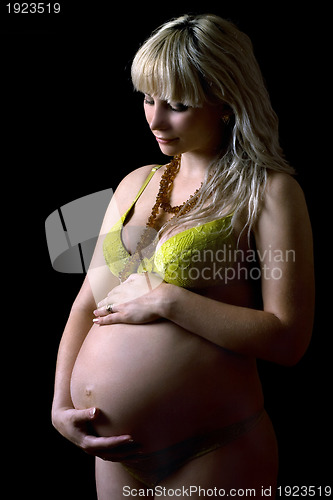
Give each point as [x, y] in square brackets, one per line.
[128, 188]
[124, 196]
[283, 192]
[284, 208]
[135, 178]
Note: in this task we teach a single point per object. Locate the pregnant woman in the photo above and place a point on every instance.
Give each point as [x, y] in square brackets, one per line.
[202, 265]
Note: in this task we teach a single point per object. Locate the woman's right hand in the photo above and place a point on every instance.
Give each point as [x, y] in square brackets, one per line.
[75, 425]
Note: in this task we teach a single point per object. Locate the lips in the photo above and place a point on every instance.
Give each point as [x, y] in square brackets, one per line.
[165, 140]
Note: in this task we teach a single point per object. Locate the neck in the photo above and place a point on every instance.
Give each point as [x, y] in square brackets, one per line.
[195, 165]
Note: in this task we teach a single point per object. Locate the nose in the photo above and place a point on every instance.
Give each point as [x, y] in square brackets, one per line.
[159, 117]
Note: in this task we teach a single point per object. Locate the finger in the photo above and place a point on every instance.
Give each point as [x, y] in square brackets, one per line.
[103, 303]
[81, 416]
[105, 445]
[110, 319]
[120, 453]
[103, 311]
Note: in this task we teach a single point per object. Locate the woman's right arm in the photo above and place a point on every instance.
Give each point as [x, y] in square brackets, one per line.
[98, 280]
[71, 423]
[77, 327]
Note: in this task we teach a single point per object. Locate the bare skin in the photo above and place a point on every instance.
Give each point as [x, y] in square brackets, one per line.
[165, 347]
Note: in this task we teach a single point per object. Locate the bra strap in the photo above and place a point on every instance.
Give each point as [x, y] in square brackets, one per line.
[146, 182]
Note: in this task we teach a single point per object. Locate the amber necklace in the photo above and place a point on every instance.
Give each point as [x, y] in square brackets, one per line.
[164, 193]
[163, 202]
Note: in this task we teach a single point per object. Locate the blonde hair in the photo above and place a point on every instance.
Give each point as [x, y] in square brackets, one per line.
[198, 59]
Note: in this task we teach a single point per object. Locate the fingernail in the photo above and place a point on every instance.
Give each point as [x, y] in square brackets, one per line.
[92, 412]
[96, 320]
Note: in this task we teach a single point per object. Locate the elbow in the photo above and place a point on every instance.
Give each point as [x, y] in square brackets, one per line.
[287, 357]
[294, 346]
[291, 359]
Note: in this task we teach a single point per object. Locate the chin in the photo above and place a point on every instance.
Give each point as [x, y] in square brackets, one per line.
[171, 150]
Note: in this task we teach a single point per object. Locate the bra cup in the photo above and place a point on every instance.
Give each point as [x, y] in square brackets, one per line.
[196, 257]
[115, 254]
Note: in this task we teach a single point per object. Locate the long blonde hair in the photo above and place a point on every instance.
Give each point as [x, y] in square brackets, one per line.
[204, 58]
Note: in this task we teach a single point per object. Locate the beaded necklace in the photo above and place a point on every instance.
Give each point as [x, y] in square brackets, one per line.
[163, 202]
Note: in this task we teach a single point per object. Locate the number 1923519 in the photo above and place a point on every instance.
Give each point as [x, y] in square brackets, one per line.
[304, 491]
[33, 8]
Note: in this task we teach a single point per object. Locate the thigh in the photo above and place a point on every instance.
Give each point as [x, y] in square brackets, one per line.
[113, 482]
[248, 464]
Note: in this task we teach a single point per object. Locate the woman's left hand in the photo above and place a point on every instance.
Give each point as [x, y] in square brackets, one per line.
[135, 301]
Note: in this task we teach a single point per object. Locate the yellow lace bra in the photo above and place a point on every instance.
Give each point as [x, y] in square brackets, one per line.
[193, 258]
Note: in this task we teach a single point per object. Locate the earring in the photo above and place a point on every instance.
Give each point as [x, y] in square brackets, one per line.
[226, 119]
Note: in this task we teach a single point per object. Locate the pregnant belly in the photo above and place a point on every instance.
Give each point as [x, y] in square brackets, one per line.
[156, 382]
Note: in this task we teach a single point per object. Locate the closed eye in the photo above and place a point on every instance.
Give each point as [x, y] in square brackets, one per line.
[148, 99]
[179, 107]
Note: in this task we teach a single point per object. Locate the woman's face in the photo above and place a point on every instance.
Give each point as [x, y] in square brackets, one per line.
[180, 129]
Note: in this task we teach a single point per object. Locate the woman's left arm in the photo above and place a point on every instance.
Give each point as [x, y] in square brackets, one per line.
[281, 331]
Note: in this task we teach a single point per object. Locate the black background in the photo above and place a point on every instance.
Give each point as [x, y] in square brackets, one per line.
[72, 126]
